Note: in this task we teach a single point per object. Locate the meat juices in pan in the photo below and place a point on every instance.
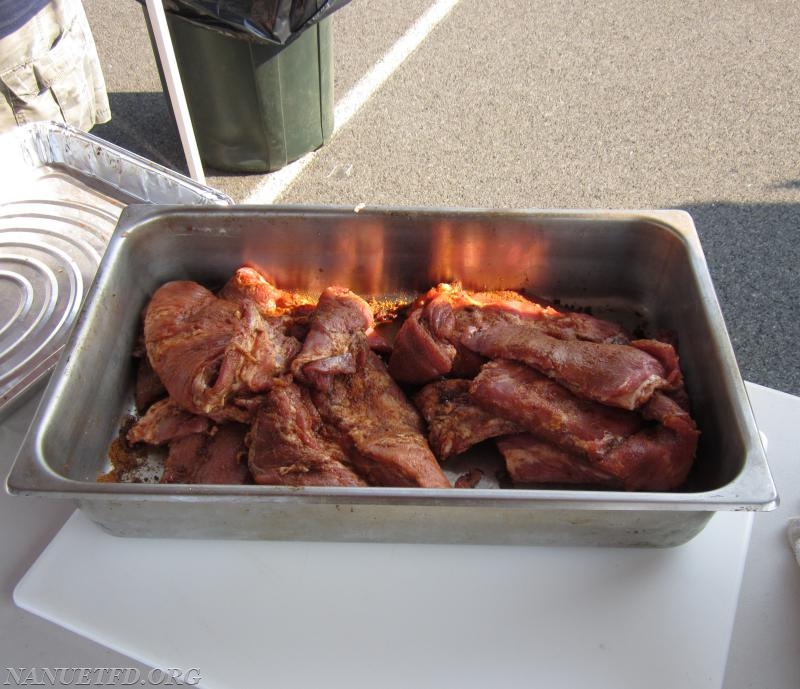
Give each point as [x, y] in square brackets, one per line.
[288, 391]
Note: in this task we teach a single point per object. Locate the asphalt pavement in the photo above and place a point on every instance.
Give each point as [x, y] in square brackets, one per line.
[545, 104]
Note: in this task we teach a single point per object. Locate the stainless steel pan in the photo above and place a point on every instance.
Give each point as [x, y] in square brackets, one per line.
[644, 266]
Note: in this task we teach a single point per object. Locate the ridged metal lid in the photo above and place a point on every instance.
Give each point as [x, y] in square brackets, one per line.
[49, 253]
[61, 195]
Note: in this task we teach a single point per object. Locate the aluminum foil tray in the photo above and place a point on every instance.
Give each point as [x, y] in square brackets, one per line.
[646, 263]
[61, 194]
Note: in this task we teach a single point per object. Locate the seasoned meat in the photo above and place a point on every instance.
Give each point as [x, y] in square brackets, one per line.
[215, 457]
[248, 284]
[431, 341]
[148, 387]
[470, 479]
[418, 356]
[550, 411]
[623, 376]
[336, 342]
[659, 456]
[379, 428]
[257, 383]
[667, 356]
[590, 356]
[532, 460]
[512, 307]
[208, 350]
[164, 422]
[648, 450]
[287, 311]
[287, 444]
[455, 420]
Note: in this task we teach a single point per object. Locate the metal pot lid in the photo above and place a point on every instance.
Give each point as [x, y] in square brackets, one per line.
[49, 253]
[61, 195]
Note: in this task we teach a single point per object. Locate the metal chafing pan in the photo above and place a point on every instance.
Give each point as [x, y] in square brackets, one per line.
[648, 264]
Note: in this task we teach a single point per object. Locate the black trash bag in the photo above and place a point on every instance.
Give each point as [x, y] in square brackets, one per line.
[271, 21]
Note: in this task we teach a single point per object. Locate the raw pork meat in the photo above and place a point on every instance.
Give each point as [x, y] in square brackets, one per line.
[550, 411]
[429, 342]
[165, 421]
[455, 420]
[218, 456]
[287, 444]
[336, 342]
[532, 460]
[208, 351]
[379, 428]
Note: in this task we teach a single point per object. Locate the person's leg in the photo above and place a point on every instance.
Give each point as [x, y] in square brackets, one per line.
[49, 70]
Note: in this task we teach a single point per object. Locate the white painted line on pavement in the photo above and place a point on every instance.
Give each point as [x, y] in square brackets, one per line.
[277, 182]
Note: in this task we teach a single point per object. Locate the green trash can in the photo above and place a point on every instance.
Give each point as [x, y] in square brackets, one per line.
[255, 106]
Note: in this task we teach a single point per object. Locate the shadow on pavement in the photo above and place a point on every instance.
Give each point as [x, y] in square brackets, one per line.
[753, 254]
[143, 123]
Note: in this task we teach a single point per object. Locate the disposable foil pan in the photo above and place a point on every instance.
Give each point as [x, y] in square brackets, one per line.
[61, 193]
[649, 264]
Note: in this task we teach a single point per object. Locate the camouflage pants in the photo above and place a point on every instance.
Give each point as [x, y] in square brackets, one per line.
[49, 70]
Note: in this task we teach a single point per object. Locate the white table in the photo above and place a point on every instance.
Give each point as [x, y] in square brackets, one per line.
[765, 624]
